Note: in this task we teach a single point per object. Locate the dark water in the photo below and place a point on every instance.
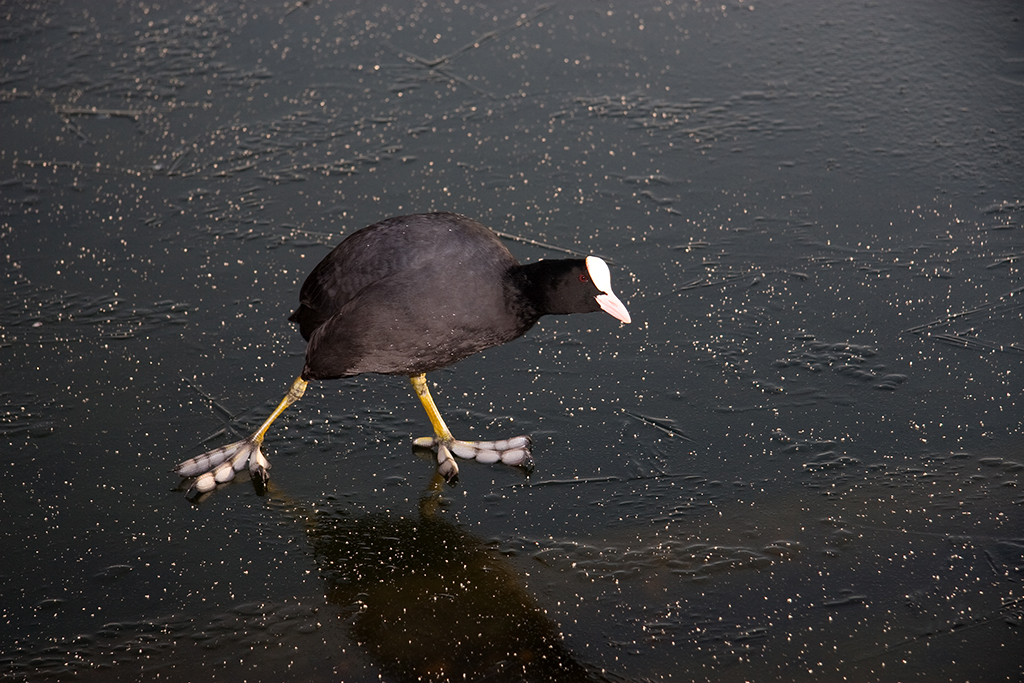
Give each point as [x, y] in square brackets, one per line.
[803, 461]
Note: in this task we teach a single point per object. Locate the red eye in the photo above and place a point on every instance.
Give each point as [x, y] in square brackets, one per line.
[584, 278]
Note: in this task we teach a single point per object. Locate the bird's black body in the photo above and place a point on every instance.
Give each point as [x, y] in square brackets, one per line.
[416, 293]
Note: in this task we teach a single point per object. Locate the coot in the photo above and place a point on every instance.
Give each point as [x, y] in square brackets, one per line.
[409, 295]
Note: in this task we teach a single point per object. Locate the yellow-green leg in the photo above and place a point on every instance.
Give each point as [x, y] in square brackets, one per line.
[295, 392]
[514, 451]
[219, 465]
[442, 438]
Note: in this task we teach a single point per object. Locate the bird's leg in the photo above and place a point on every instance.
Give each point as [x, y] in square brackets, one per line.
[514, 451]
[219, 465]
[442, 438]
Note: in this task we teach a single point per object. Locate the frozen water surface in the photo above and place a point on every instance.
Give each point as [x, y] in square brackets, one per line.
[802, 461]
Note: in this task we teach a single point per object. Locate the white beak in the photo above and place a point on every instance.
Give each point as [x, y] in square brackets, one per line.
[611, 305]
[602, 279]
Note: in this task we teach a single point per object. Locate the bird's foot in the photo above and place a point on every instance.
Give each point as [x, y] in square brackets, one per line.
[220, 465]
[446, 465]
[514, 451]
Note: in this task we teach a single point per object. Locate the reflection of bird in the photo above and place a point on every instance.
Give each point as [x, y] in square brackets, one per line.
[413, 294]
[429, 602]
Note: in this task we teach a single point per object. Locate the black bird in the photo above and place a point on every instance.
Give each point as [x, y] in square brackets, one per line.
[409, 295]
